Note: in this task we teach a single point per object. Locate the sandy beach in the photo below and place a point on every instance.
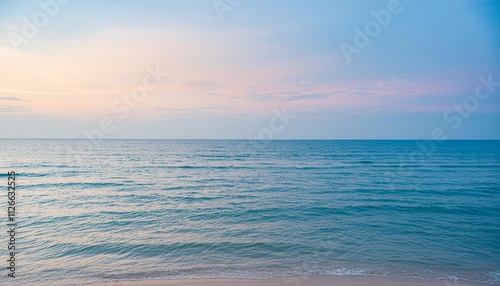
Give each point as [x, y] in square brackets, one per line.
[294, 281]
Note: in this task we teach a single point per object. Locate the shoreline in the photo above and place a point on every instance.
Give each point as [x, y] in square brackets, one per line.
[317, 280]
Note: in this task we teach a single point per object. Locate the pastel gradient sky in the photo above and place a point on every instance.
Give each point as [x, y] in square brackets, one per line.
[228, 78]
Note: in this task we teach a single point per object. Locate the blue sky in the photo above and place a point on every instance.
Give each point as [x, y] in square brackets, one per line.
[234, 76]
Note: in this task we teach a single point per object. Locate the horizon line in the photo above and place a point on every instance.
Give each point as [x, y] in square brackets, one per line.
[241, 139]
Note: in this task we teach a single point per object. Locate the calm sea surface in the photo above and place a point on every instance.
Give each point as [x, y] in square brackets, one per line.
[165, 209]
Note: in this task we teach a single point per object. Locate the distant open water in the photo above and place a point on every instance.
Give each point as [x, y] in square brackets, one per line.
[165, 209]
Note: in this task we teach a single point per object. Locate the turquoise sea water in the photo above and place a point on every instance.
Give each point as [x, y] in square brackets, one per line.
[165, 209]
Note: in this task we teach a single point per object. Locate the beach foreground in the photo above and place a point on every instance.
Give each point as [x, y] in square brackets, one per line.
[295, 281]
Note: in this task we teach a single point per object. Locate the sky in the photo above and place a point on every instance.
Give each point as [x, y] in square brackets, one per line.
[241, 69]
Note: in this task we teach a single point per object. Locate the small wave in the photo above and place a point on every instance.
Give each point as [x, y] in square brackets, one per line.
[206, 167]
[20, 174]
[495, 275]
[345, 272]
[468, 166]
[81, 185]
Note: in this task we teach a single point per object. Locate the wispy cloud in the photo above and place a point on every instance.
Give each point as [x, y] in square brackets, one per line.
[13, 109]
[11, 98]
[203, 85]
[286, 96]
[390, 87]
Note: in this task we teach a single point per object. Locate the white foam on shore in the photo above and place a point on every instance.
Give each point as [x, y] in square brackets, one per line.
[345, 272]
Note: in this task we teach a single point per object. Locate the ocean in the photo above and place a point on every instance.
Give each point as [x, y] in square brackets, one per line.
[168, 209]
